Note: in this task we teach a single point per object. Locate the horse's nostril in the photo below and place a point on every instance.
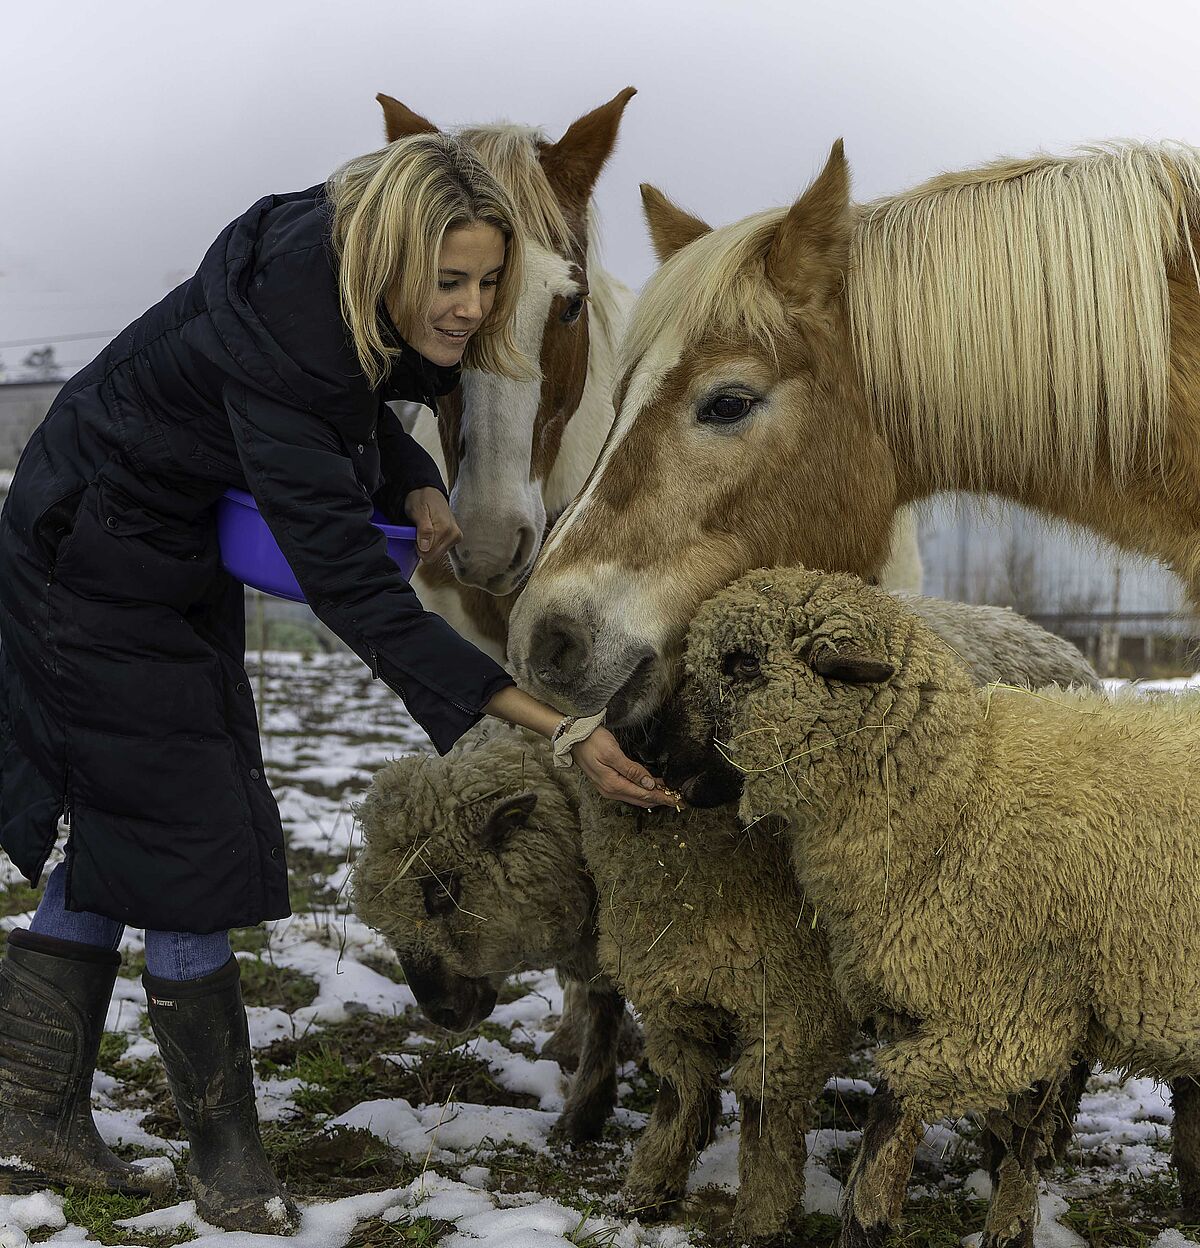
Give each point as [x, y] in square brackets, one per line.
[525, 540]
[560, 650]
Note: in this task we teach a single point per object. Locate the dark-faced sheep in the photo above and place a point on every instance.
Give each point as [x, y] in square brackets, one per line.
[472, 869]
[1007, 879]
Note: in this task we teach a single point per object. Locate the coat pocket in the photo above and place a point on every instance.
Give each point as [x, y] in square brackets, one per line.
[53, 528]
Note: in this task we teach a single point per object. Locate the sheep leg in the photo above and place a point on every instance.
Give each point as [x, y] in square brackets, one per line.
[771, 1157]
[874, 1191]
[566, 1044]
[1066, 1106]
[1026, 1130]
[1185, 1142]
[594, 1088]
[689, 1073]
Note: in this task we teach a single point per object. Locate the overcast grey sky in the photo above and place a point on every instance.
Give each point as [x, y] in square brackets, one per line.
[133, 130]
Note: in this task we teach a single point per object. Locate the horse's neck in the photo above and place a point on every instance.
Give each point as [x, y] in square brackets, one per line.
[610, 305]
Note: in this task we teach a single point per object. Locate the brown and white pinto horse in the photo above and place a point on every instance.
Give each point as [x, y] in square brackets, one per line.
[1029, 329]
[516, 453]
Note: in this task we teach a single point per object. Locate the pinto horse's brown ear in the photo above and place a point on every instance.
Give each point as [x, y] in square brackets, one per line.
[808, 257]
[506, 816]
[670, 226]
[852, 667]
[573, 164]
[400, 121]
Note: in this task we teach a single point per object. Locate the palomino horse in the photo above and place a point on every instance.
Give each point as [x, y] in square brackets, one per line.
[1029, 329]
[516, 453]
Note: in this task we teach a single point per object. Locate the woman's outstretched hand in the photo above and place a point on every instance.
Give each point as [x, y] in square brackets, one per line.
[617, 776]
[437, 529]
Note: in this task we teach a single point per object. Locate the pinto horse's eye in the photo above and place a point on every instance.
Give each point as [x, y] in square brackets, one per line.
[572, 312]
[441, 893]
[726, 409]
[740, 665]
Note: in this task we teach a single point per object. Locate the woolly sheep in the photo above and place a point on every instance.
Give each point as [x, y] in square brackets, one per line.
[483, 826]
[699, 928]
[1006, 879]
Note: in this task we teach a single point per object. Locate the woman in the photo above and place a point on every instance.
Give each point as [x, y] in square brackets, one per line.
[124, 704]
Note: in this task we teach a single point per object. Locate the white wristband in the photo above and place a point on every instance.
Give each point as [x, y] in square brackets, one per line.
[570, 732]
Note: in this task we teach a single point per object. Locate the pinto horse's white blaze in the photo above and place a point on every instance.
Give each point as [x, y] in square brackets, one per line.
[496, 499]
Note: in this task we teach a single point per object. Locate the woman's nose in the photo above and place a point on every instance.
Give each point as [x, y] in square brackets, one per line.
[471, 307]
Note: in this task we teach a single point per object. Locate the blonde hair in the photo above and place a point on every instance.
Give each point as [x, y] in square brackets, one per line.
[391, 211]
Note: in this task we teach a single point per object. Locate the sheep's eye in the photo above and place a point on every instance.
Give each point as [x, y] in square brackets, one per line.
[572, 312]
[441, 893]
[726, 409]
[740, 665]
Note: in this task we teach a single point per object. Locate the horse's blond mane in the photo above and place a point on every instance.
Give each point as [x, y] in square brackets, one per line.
[511, 154]
[714, 288]
[1018, 309]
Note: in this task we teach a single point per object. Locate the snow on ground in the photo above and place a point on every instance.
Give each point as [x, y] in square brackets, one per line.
[486, 1175]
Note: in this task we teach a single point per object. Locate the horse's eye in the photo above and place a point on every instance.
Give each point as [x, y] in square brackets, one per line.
[572, 312]
[441, 893]
[740, 665]
[726, 409]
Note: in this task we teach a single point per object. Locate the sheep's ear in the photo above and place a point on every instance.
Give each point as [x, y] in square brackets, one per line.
[851, 666]
[508, 815]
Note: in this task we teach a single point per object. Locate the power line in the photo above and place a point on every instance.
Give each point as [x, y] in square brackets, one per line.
[47, 342]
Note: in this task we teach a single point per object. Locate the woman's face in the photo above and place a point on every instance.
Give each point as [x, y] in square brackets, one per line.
[469, 267]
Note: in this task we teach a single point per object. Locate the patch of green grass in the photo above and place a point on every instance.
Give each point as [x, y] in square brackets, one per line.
[1131, 1213]
[940, 1221]
[112, 1048]
[19, 898]
[249, 939]
[390, 968]
[421, 1233]
[99, 1211]
[266, 983]
[643, 1090]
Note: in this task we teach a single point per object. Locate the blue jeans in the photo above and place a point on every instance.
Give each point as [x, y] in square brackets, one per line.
[169, 955]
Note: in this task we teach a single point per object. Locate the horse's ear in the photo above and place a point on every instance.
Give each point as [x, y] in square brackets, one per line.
[852, 667]
[808, 257]
[506, 816]
[573, 164]
[400, 121]
[670, 227]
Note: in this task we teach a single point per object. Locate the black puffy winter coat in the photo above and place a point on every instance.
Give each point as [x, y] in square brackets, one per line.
[124, 703]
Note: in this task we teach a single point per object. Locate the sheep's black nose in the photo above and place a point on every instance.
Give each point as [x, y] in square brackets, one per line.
[560, 653]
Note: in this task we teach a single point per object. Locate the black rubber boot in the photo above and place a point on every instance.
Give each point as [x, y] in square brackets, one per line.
[53, 998]
[200, 1025]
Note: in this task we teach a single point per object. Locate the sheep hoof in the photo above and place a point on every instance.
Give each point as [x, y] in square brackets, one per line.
[581, 1126]
[647, 1206]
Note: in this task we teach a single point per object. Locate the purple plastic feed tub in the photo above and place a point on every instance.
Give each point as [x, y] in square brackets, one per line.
[250, 552]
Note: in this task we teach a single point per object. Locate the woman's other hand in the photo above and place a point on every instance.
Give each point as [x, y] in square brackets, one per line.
[615, 775]
[437, 529]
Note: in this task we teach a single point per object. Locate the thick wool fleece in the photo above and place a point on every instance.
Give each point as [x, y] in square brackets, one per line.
[523, 900]
[1012, 877]
[704, 930]
[995, 643]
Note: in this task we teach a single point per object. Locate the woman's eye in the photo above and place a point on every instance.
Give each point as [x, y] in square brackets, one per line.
[441, 893]
[572, 311]
[740, 665]
[447, 285]
[725, 409]
[490, 284]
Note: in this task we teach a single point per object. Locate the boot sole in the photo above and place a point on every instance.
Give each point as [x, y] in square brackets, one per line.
[26, 1182]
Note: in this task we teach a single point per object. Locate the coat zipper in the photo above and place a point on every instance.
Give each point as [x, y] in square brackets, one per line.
[466, 710]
